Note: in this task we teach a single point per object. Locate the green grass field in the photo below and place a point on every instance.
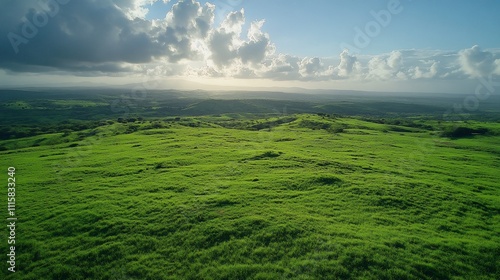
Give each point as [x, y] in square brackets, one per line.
[246, 196]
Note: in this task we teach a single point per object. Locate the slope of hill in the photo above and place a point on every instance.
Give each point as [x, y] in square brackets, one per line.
[309, 197]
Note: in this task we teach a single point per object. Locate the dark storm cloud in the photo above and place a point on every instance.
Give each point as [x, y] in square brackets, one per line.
[91, 35]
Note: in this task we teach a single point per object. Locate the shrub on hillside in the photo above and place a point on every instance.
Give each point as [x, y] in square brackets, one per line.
[461, 132]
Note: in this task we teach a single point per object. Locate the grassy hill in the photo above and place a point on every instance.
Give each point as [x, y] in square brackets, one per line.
[297, 196]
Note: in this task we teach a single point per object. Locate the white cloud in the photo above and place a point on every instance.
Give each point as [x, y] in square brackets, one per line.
[114, 37]
[281, 67]
[422, 73]
[102, 36]
[310, 67]
[478, 63]
[222, 48]
[258, 45]
[224, 41]
[235, 56]
[386, 67]
[348, 65]
[133, 8]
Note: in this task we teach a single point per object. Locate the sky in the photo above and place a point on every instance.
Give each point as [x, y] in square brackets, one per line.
[380, 45]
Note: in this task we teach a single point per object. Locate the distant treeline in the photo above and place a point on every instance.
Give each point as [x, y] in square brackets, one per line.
[21, 131]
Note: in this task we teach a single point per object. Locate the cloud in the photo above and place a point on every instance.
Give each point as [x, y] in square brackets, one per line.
[190, 18]
[281, 67]
[401, 65]
[478, 63]
[134, 8]
[398, 65]
[349, 65]
[229, 50]
[89, 35]
[432, 72]
[310, 66]
[224, 41]
[258, 46]
[386, 67]
[80, 36]
[114, 37]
